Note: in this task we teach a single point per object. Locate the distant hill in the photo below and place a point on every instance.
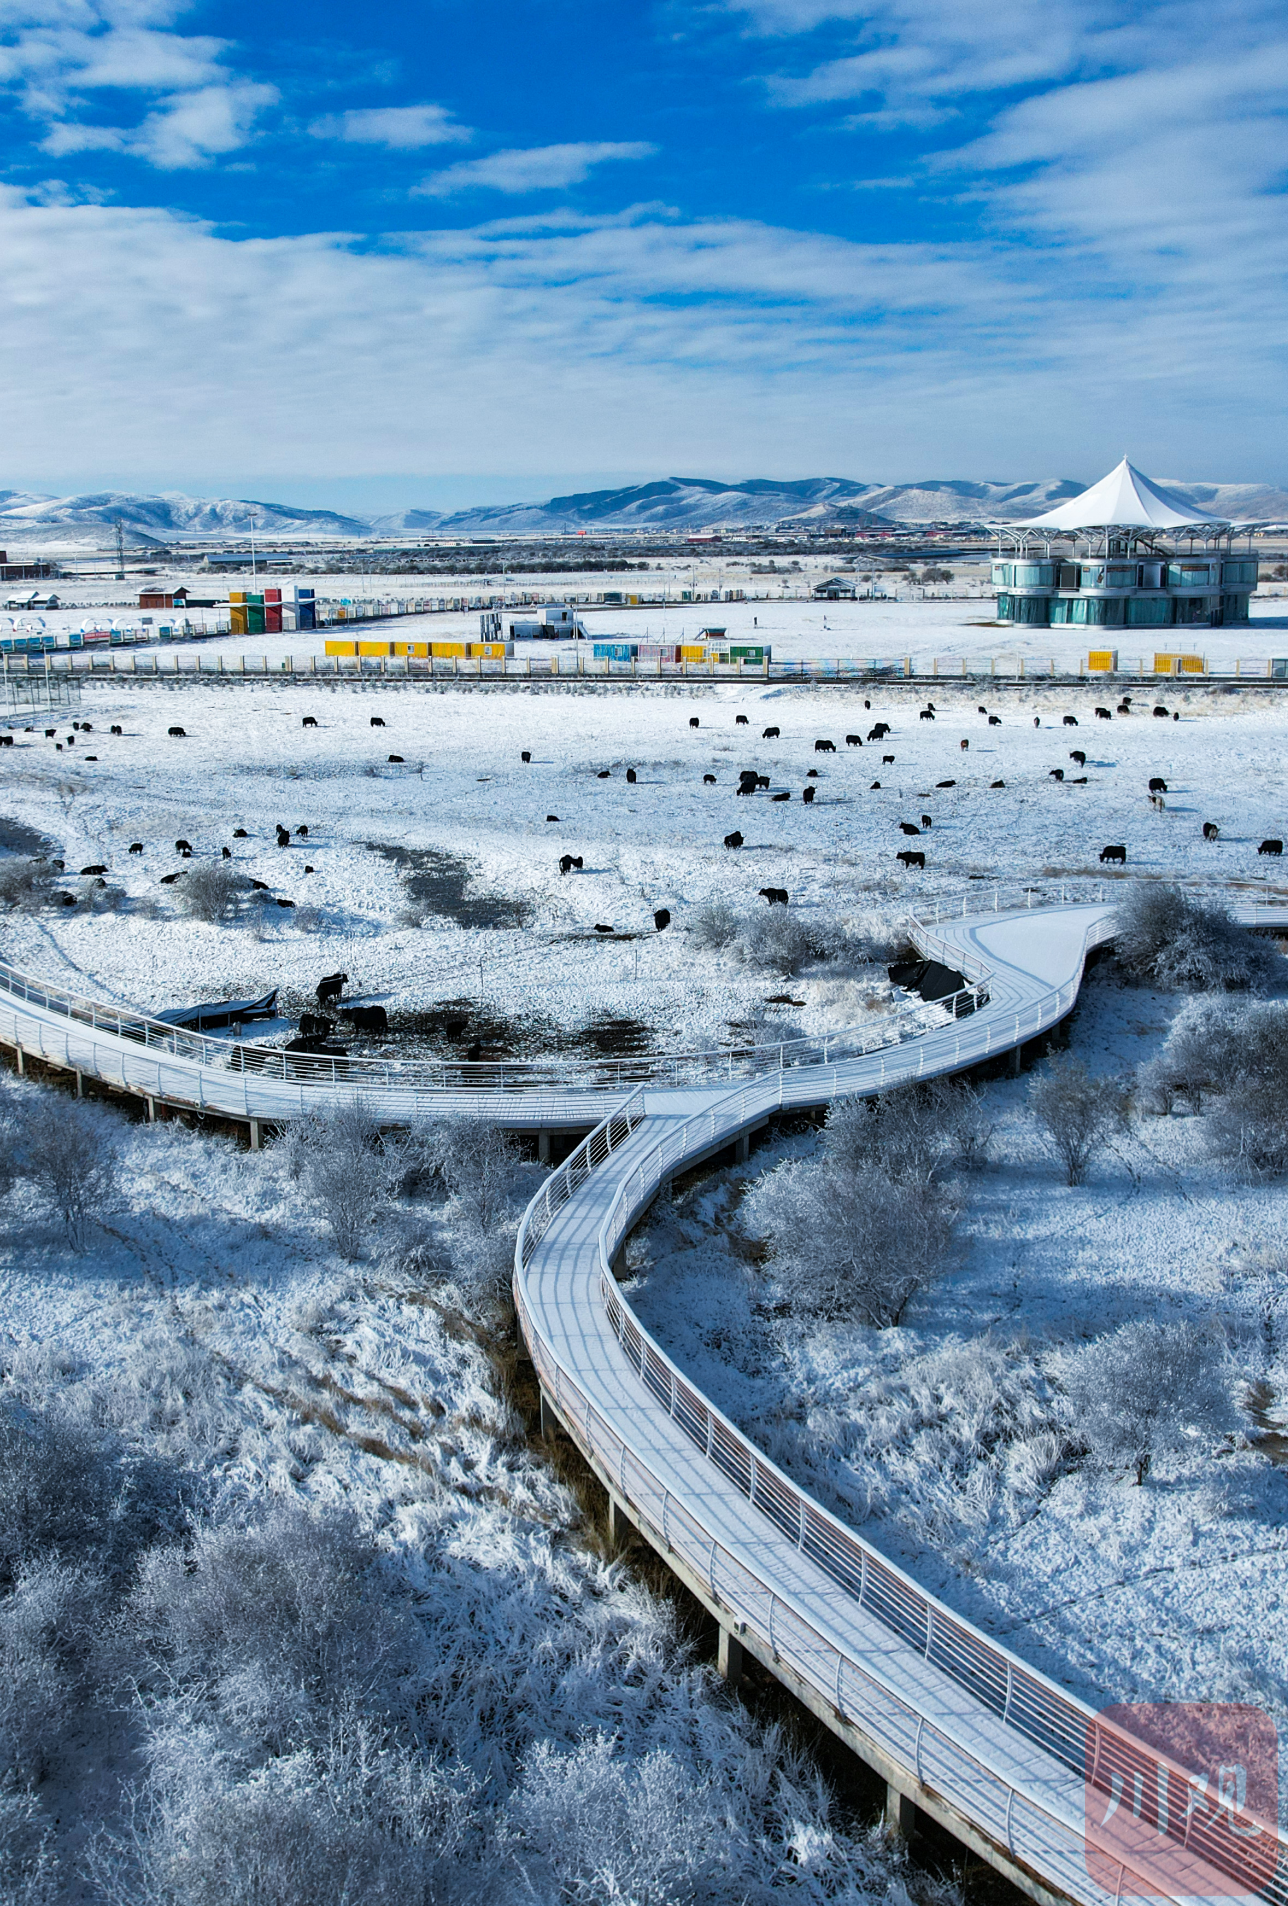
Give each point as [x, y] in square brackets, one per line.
[685, 504]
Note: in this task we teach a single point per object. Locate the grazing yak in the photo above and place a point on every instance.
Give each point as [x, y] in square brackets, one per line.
[630, 776]
[784, 796]
[285, 903]
[239, 833]
[854, 741]
[1055, 774]
[878, 731]
[776, 896]
[283, 835]
[526, 755]
[116, 729]
[926, 714]
[1211, 831]
[887, 761]
[1037, 721]
[1273, 847]
[314, 1026]
[708, 780]
[981, 710]
[568, 861]
[997, 784]
[1161, 711]
[1103, 714]
[1071, 721]
[260, 886]
[911, 860]
[770, 734]
[662, 919]
[600, 928]
[808, 794]
[733, 840]
[740, 721]
[694, 722]
[876, 784]
[1118, 853]
[397, 758]
[964, 745]
[309, 721]
[330, 987]
[995, 721]
[177, 734]
[96, 868]
[811, 774]
[825, 747]
[367, 1018]
[1124, 706]
[762, 780]
[183, 847]
[377, 721]
[945, 784]
[552, 817]
[302, 831]
[906, 827]
[136, 846]
[604, 774]
[168, 880]
[1157, 785]
[926, 820]
[227, 852]
[1076, 754]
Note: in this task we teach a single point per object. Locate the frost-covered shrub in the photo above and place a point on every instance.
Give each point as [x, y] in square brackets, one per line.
[851, 1243]
[49, 1623]
[1076, 1113]
[214, 892]
[57, 1490]
[25, 885]
[1249, 1127]
[68, 1154]
[271, 1623]
[337, 1154]
[714, 926]
[1163, 936]
[1204, 1050]
[914, 1134]
[355, 1821]
[1138, 1392]
[776, 941]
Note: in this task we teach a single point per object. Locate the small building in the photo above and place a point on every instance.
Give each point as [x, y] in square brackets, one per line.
[23, 572]
[836, 589]
[1124, 554]
[550, 621]
[163, 598]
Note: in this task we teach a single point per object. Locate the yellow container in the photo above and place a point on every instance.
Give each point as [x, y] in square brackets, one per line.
[693, 652]
[448, 648]
[340, 648]
[237, 620]
[411, 648]
[1102, 662]
[375, 648]
[492, 650]
[1190, 665]
[236, 595]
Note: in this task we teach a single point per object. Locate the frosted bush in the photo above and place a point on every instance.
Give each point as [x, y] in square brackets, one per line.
[848, 1243]
[48, 1626]
[25, 885]
[915, 1134]
[337, 1154]
[776, 941]
[57, 1491]
[271, 1623]
[68, 1154]
[1163, 936]
[1249, 1127]
[214, 892]
[714, 926]
[1141, 1390]
[1076, 1113]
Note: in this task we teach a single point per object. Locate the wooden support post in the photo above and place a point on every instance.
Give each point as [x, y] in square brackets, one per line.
[80, 1085]
[742, 1147]
[549, 1421]
[254, 1134]
[543, 1148]
[1017, 1054]
[22, 1062]
[618, 1526]
[729, 1657]
[152, 1110]
[902, 1815]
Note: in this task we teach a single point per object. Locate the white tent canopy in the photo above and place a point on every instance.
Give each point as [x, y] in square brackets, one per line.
[1125, 500]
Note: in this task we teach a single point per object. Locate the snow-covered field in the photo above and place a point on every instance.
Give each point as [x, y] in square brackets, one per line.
[240, 1365]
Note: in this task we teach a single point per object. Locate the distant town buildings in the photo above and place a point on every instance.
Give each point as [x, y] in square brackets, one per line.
[23, 572]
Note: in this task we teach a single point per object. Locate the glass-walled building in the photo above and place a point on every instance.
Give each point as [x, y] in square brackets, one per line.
[1124, 554]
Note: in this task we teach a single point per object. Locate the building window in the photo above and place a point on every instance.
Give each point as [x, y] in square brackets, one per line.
[1035, 576]
[1148, 612]
[1097, 611]
[1189, 575]
[1030, 609]
[1002, 575]
[1234, 608]
[1060, 607]
[1238, 572]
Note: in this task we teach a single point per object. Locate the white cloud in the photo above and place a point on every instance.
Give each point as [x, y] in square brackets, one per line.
[534, 169]
[402, 128]
[644, 342]
[189, 130]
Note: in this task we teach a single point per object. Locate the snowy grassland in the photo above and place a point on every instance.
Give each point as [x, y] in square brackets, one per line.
[290, 1611]
[463, 792]
[955, 1440]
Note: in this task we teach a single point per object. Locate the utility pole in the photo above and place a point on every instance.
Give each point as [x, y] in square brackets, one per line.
[120, 551]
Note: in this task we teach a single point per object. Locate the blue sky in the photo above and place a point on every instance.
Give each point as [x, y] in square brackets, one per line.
[446, 252]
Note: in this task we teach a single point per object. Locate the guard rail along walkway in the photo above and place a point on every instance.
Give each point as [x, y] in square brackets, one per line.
[957, 1725]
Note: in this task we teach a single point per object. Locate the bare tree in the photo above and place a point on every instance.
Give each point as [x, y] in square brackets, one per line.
[1137, 1392]
[337, 1155]
[213, 892]
[714, 926]
[915, 1134]
[852, 1244]
[1077, 1113]
[69, 1156]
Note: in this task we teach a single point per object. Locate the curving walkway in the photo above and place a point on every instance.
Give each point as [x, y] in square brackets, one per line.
[956, 1724]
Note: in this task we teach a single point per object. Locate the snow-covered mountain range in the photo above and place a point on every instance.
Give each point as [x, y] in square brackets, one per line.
[674, 503]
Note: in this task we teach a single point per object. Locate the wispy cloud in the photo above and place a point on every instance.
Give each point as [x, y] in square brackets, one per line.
[531, 169]
[401, 128]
